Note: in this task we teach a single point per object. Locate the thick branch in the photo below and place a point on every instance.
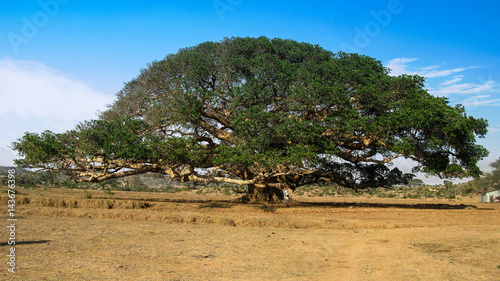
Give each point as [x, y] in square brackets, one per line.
[216, 132]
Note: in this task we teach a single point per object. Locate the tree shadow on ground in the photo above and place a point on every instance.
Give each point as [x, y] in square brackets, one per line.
[26, 242]
[420, 206]
[221, 203]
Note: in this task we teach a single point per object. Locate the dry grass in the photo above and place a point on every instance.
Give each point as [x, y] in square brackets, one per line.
[91, 235]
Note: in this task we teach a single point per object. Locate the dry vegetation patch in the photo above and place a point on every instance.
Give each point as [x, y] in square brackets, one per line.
[69, 235]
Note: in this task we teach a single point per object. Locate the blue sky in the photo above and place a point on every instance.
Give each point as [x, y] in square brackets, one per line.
[63, 60]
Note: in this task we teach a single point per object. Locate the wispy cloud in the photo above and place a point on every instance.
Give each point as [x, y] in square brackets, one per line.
[482, 90]
[453, 80]
[494, 129]
[30, 89]
[465, 89]
[481, 100]
[400, 66]
[440, 73]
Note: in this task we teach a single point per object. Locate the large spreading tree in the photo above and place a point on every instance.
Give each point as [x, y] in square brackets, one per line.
[266, 114]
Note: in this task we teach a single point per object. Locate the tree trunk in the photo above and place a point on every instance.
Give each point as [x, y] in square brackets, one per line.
[257, 194]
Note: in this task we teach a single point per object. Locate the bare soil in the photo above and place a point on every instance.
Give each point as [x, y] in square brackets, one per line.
[66, 234]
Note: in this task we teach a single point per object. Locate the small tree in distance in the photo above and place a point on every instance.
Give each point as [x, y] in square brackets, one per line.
[490, 181]
[266, 114]
[416, 183]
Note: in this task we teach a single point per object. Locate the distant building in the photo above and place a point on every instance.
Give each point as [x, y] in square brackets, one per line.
[490, 197]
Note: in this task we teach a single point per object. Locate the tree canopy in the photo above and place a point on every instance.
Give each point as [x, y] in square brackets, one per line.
[266, 113]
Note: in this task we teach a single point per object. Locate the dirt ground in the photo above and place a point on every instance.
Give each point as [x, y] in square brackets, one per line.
[91, 235]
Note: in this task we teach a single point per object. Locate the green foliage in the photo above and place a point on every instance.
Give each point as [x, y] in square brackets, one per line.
[273, 111]
[415, 183]
[36, 148]
[120, 138]
[467, 189]
[448, 185]
[30, 179]
[176, 150]
[490, 181]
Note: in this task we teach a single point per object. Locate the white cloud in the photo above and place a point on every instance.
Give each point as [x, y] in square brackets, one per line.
[481, 100]
[495, 129]
[429, 67]
[451, 86]
[6, 156]
[30, 89]
[400, 66]
[36, 98]
[465, 89]
[440, 73]
[453, 80]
